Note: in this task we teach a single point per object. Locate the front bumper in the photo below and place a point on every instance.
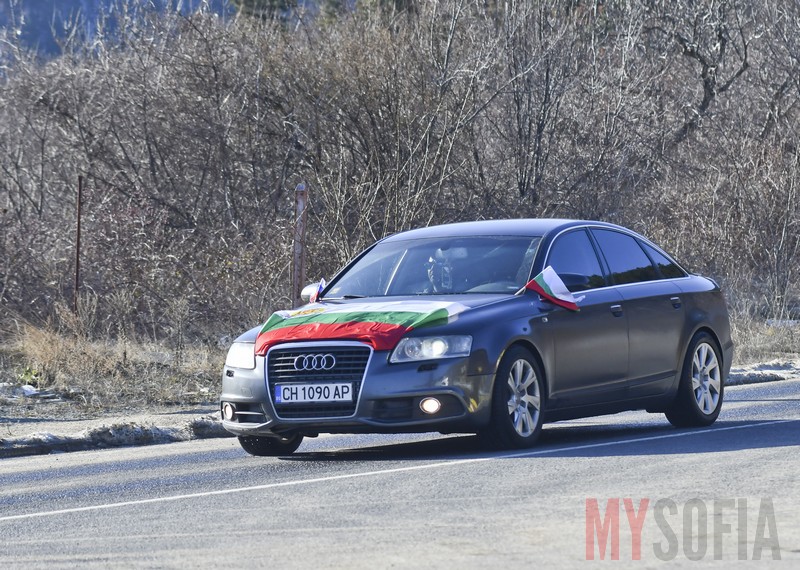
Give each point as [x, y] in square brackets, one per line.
[387, 402]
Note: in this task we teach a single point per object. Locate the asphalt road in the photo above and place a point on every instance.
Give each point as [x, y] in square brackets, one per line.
[730, 491]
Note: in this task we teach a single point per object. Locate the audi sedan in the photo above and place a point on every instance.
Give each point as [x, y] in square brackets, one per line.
[492, 328]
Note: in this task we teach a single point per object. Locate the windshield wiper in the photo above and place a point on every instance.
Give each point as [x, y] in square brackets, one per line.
[343, 298]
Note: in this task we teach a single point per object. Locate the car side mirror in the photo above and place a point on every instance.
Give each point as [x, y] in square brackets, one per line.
[308, 291]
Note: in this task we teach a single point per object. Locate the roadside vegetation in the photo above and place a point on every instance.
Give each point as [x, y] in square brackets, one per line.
[678, 119]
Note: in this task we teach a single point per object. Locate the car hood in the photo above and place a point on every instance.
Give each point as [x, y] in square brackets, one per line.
[378, 321]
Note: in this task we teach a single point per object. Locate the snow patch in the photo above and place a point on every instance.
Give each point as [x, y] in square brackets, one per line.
[12, 392]
[765, 372]
[123, 434]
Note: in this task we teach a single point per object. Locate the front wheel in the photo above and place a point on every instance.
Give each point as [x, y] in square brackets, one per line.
[699, 398]
[516, 402]
[270, 446]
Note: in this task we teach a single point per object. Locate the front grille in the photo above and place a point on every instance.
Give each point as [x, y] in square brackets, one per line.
[351, 365]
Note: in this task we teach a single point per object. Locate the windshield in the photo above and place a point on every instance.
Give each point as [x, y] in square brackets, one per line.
[440, 266]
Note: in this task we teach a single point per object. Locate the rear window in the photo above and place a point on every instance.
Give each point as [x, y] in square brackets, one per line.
[668, 268]
[625, 257]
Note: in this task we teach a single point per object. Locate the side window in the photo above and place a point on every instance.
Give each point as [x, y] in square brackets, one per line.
[668, 268]
[626, 259]
[574, 259]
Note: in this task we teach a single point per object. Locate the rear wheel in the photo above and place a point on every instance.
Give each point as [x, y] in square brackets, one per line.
[516, 402]
[270, 446]
[700, 392]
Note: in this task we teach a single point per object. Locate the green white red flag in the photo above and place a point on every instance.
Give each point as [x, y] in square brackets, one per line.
[550, 286]
[381, 325]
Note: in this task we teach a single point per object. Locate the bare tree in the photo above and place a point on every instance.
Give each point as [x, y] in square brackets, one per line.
[677, 118]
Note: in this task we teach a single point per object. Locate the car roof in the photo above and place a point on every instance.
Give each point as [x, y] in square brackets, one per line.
[521, 227]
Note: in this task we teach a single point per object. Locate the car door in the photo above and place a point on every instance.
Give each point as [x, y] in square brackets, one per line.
[590, 346]
[654, 310]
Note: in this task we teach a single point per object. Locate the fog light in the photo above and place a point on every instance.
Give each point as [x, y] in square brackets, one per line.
[228, 411]
[430, 405]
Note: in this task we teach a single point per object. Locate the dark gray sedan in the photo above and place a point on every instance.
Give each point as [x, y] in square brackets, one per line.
[488, 327]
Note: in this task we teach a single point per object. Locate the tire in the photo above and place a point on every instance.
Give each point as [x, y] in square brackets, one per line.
[701, 388]
[270, 446]
[517, 409]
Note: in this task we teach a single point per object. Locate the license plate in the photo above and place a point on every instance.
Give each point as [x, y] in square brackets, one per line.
[304, 393]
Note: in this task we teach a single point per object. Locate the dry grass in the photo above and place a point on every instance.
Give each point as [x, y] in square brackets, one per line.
[111, 370]
[114, 373]
[756, 341]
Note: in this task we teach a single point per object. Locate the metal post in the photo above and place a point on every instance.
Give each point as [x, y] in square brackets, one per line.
[299, 253]
[77, 247]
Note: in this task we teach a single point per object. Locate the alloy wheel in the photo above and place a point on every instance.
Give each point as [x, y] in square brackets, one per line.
[706, 378]
[524, 401]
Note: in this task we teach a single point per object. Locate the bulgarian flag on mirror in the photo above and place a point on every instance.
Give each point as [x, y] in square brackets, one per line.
[550, 286]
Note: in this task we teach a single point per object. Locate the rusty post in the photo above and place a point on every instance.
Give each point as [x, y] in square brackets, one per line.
[299, 253]
[77, 247]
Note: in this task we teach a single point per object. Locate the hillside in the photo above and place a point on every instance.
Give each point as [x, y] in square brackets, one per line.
[42, 24]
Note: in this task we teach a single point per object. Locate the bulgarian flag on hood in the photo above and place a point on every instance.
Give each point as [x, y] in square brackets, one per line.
[550, 286]
[381, 325]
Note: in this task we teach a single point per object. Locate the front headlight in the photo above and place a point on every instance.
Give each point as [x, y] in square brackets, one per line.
[241, 355]
[411, 349]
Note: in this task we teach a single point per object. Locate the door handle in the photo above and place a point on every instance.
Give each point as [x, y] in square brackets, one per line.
[676, 302]
[616, 310]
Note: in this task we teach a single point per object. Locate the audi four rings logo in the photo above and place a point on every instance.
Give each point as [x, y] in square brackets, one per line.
[314, 362]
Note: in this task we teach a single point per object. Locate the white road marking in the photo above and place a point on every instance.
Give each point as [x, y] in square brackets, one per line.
[386, 471]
